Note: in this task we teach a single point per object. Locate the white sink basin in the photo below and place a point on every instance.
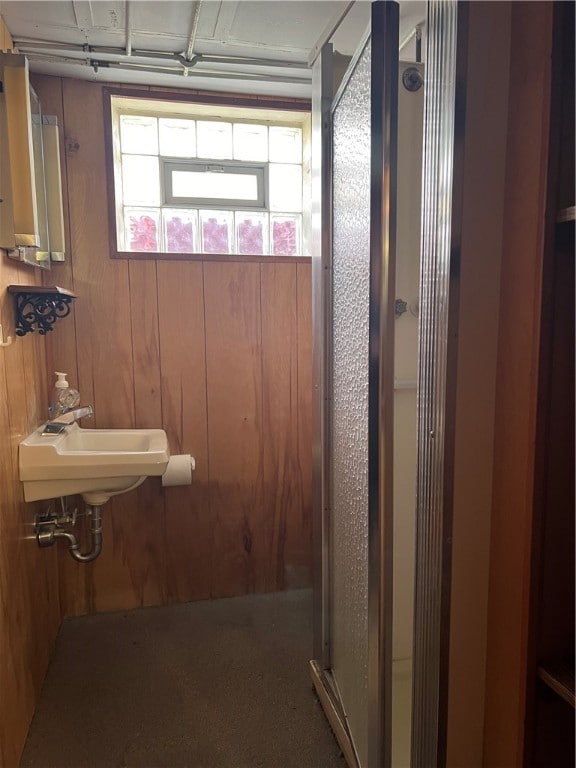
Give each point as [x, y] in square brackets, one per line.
[97, 463]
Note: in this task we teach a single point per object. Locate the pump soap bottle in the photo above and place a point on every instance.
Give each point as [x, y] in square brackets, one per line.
[64, 397]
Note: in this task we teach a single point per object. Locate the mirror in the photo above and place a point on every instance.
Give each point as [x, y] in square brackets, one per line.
[24, 217]
[41, 256]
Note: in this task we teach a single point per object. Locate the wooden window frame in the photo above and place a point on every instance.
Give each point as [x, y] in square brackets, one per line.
[247, 101]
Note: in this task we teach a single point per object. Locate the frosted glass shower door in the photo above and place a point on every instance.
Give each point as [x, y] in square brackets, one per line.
[364, 118]
[349, 460]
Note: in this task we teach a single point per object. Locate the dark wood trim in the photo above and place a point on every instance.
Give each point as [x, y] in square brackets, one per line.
[40, 289]
[211, 97]
[154, 255]
[109, 171]
[544, 388]
[551, 607]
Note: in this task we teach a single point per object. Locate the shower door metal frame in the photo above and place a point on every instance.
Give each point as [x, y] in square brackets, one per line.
[383, 188]
[384, 113]
[322, 95]
[442, 215]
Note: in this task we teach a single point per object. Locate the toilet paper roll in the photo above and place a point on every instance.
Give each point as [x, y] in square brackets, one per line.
[179, 470]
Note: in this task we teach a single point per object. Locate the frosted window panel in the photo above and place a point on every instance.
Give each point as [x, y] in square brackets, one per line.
[216, 231]
[285, 145]
[142, 228]
[214, 139]
[285, 235]
[251, 233]
[140, 180]
[139, 135]
[180, 230]
[285, 188]
[219, 186]
[250, 142]
[349, 446]
[177, 137]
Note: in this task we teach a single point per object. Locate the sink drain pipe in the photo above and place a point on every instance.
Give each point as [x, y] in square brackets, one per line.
[48, 533]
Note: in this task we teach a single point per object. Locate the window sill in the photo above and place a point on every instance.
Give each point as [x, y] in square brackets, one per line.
[154, 256]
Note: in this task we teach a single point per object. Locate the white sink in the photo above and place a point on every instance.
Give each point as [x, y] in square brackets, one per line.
[97, 463]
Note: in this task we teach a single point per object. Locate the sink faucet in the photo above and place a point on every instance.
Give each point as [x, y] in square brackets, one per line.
[59, 424]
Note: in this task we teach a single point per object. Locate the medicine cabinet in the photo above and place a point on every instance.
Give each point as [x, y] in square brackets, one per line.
[31, 216]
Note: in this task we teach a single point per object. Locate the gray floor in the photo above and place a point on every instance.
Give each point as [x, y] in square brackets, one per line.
[214, 684]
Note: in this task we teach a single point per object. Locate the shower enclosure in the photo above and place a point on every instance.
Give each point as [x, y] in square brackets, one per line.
[381, 299]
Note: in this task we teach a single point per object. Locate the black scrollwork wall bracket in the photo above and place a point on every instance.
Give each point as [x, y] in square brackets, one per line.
[38, 307]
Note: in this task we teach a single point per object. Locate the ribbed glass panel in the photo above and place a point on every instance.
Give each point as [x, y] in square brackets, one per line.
[349, 461]
[409, 184]
[432, 377]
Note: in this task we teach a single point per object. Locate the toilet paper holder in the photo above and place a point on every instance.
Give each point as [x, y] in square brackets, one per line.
[179, 470]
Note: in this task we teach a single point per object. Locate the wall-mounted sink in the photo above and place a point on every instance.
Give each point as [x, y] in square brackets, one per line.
[96, 463]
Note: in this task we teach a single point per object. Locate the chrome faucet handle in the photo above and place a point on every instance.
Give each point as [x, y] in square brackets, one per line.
[58, 425]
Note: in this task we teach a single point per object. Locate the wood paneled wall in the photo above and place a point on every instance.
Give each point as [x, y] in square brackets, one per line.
[216, 353]
[29, 600]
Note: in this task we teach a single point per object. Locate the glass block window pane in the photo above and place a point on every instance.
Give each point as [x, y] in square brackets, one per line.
[285, 235]
[217, 186]
[285, 188]
[177, 137]
[251, 233]
[216, 231]
[180, 228]
[285, 144]
[139, 135]
[190, 180]
[214, 139]
[140, 180]
[250, 142]
[142, 227]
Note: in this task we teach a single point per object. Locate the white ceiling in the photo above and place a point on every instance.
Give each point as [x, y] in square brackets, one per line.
[68, 37]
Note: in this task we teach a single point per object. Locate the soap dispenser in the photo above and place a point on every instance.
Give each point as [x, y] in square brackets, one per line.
[64, 397]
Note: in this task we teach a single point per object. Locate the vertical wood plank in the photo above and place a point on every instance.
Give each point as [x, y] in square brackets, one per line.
[281, 476]
[29, 604]
[516, 385]
[75, 582]
[303, 534]
[102, 310]
[103, 340]
[144, 523]
[479, 285]
[234, 382]
[189, 538]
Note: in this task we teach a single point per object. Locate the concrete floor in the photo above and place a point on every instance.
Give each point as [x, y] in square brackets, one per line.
[214, 684]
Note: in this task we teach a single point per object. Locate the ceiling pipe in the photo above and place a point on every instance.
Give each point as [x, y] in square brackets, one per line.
[128, 26]
[198, 73]
[97, 64]
[31, 45]
[189, 52]
[251, 61]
